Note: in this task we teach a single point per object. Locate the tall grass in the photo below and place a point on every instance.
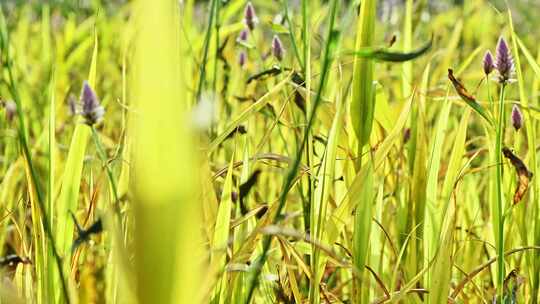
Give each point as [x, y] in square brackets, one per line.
[344, 165]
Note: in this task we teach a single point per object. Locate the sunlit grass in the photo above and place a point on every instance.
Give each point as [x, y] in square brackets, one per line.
[334, 152]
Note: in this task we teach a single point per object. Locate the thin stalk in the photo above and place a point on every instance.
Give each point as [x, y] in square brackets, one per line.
[252, 283]
[103, 157]
[490, 98]
[314, 223]
[50, 183]
[206, 47]
[104, 160]
[306, 70]
[217, 26]
[117, 230]
[500, 217]
[292, 36]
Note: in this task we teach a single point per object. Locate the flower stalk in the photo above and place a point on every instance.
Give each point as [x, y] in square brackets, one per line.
[500, 196]
[504, 64]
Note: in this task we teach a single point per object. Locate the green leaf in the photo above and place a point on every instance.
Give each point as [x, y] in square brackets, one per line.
[325, 181]
[440, 274]
[362, 227]
[382, 54]
[363, 96]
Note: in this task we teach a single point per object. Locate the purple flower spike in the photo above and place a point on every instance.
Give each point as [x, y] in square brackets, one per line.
[92, 111]
[277, 48]
[242, 59]
[488, 62]
[243, 36]
[517, 117]
[250, 18]
[504, 63]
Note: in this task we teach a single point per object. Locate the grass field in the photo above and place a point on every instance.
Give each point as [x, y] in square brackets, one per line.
[302, 151]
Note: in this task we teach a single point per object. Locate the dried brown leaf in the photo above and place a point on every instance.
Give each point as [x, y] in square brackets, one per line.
[524, 175]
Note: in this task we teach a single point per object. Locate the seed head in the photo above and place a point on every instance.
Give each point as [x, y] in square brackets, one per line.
[242, 59]
[92, 111]
[489, 65]
[243, 36]
[517, 118]
[504, 63]
[250, 18]
[277, 48]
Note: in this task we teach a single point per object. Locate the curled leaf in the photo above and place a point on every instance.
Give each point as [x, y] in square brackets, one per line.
[468, 97]
[298, 98]
[241, 129]
[245, 188]
[382, 54]
[273, 71]
[460, 88]
[524, 175]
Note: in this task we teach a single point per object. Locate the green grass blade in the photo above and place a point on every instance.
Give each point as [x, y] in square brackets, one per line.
[322, 193]
[220, 239]
[389, 56]
[417, 204]
[407, 69]
[362, 227]
[439, 283]
[345, 208]
[363, 96]
[50, 291]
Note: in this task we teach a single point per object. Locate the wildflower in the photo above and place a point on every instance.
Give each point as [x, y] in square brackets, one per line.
[242, 59]
[517, 117]
[489, 65]
[243, 36]
[504, 63]
[250, 18]
[92, 111]
[277, 48]
[11, 110]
